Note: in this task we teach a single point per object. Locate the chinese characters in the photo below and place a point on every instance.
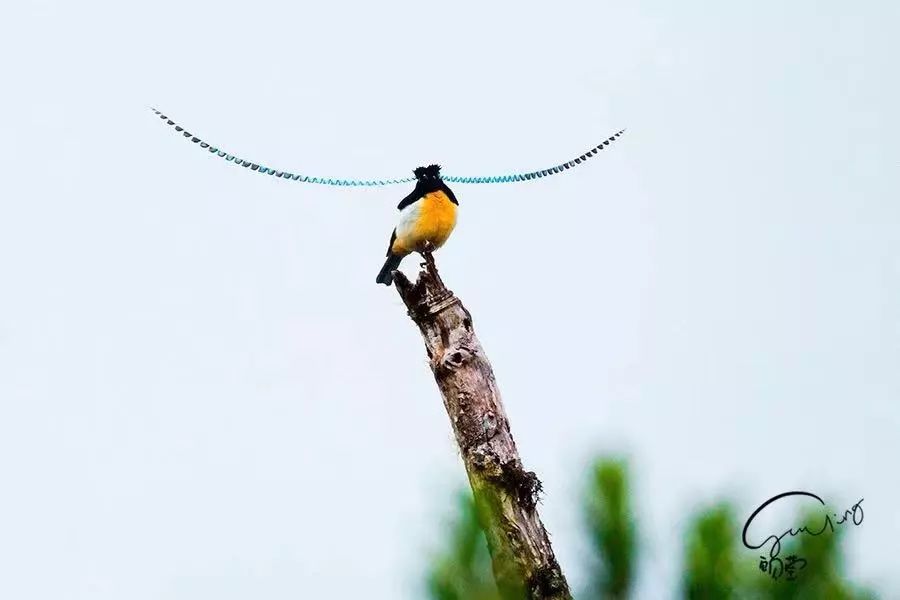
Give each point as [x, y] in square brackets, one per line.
[788, 567]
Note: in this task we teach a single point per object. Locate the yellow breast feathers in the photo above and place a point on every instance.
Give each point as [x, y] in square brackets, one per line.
[430, 219]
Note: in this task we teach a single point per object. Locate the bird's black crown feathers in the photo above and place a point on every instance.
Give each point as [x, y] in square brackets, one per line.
[429, 172]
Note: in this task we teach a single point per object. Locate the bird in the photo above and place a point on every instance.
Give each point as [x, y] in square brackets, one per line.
[427, 218]
[427, 215]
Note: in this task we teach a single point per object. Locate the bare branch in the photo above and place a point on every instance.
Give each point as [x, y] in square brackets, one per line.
[505, 493]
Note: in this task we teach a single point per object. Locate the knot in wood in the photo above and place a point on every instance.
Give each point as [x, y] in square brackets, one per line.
[455, 359]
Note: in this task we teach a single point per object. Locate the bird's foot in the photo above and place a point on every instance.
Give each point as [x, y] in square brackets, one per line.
[425, 251]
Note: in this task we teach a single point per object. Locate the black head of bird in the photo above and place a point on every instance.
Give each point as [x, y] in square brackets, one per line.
[428, 174]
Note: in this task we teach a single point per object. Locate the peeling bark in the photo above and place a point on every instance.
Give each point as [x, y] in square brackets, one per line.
[505, 493]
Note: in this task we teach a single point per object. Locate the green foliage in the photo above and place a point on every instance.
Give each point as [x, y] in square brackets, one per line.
[715, 564]
[611, 527]
[821, 577]
[709, 562]
[463, 570]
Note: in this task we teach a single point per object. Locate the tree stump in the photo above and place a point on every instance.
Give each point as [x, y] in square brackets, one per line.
[505, 493]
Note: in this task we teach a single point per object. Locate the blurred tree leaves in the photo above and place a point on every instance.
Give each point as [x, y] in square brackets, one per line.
[714, 564]
[463, 571]
[821, 577]
[611, 528]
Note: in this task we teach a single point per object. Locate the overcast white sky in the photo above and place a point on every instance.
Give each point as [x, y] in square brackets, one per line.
[203, 393]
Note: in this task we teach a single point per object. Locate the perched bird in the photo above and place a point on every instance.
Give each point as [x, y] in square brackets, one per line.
[427, 217]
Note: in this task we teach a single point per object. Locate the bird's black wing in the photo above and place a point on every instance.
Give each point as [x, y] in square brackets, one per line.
[417, 193]
[449, 193]
[391, 243]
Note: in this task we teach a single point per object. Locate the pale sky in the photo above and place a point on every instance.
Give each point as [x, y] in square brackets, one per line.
[204, 394]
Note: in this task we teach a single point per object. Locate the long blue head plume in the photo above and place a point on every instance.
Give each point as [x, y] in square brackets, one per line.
[429, 172]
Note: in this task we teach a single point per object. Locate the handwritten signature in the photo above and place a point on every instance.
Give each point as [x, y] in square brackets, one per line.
[855, 513]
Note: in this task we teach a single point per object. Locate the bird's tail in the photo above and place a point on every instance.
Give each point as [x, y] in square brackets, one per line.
[385, 275]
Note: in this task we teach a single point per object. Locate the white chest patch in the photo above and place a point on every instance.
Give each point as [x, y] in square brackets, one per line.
[408, 218]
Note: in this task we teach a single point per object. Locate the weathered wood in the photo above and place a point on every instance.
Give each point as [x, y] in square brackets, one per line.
[506, 495]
